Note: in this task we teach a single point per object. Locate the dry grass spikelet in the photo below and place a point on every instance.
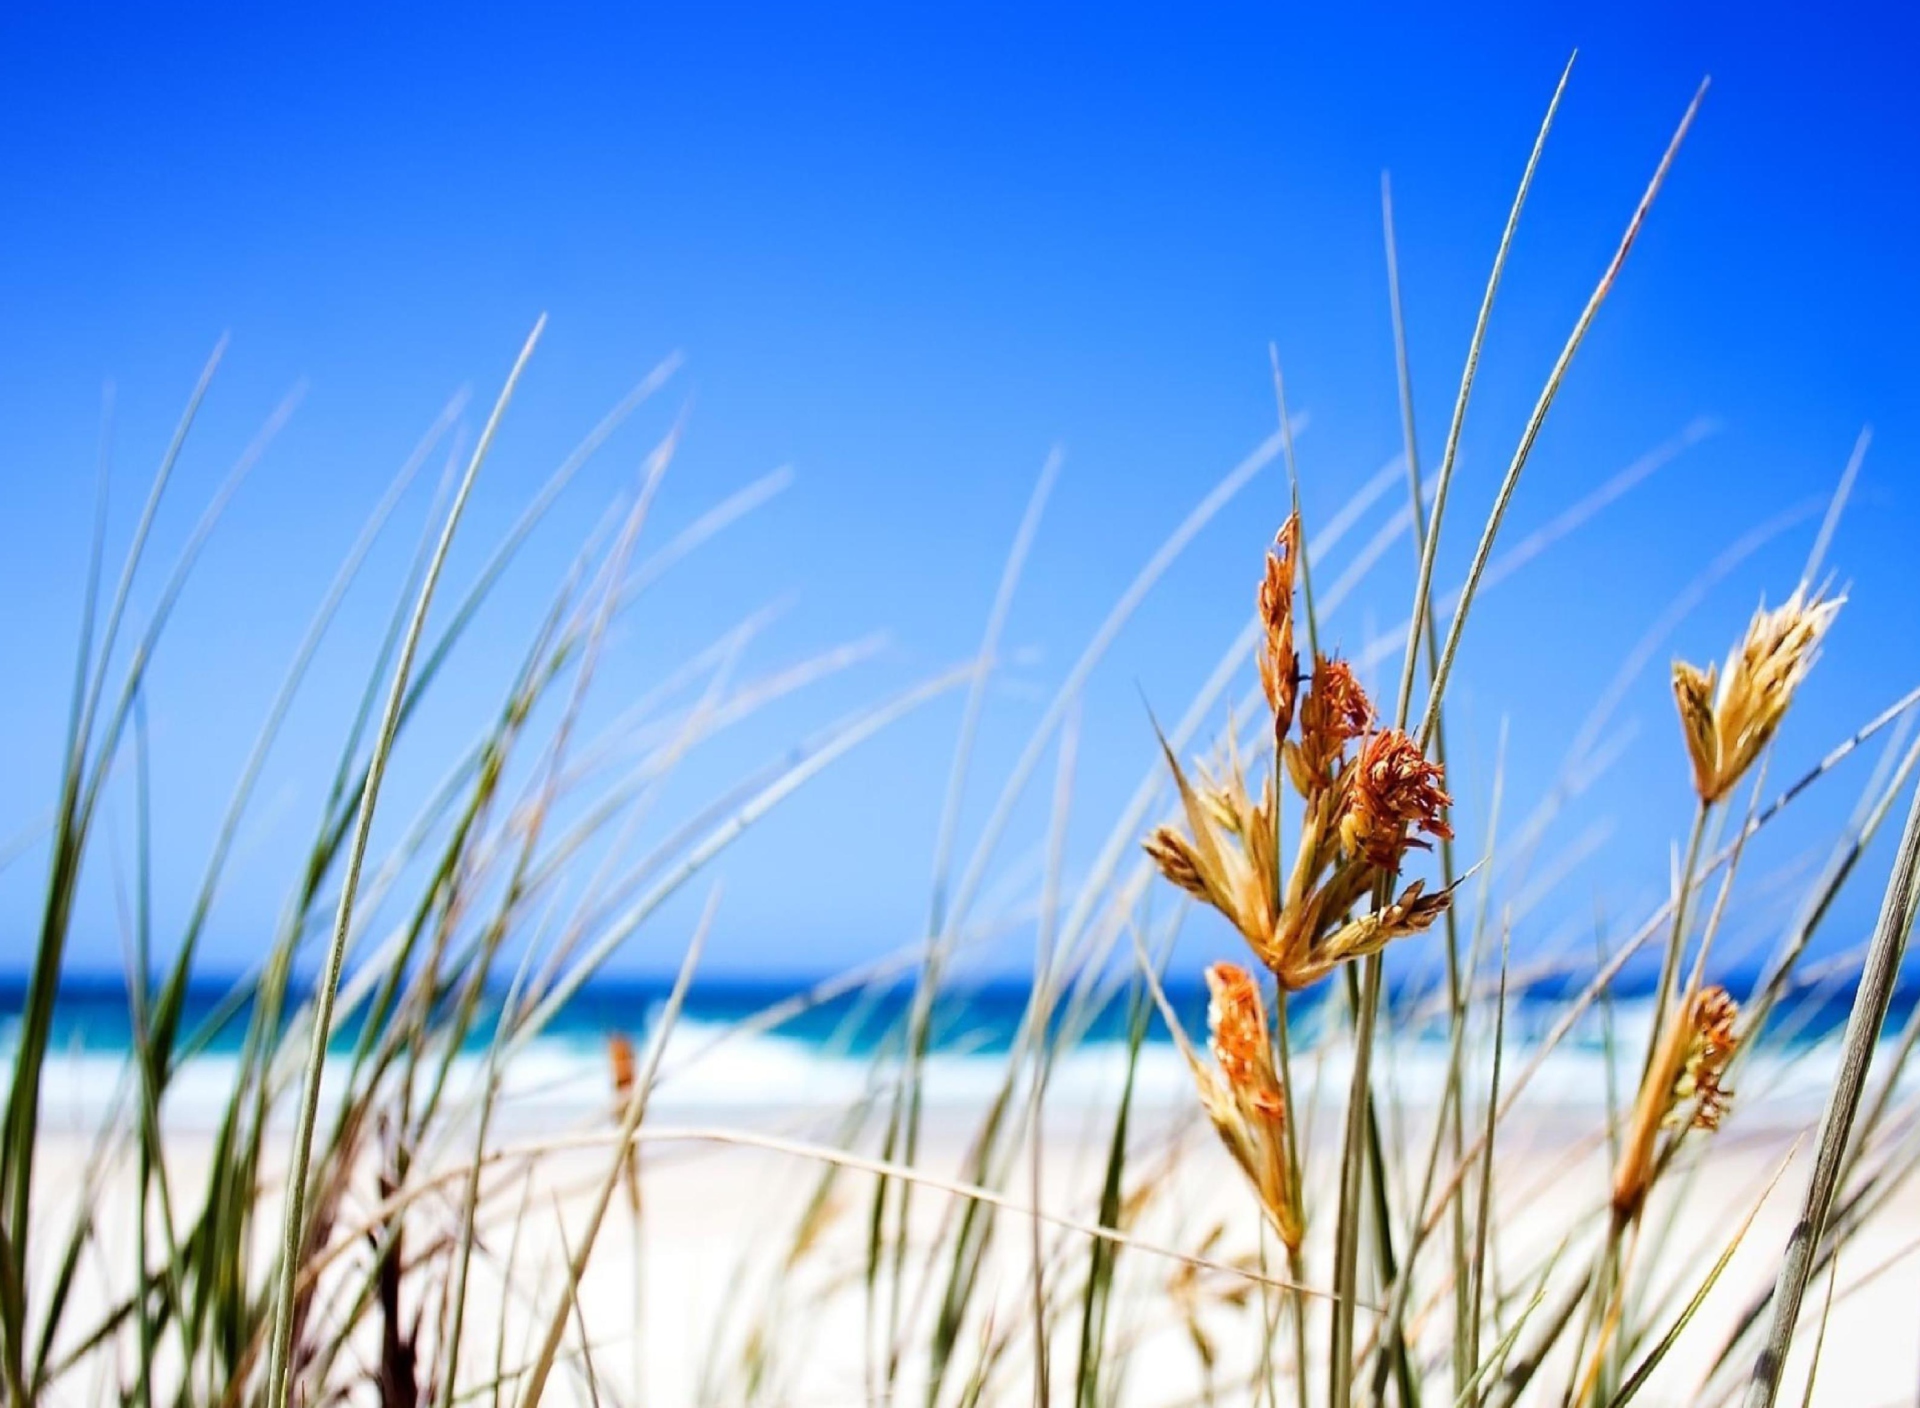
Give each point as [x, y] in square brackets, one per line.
[1242, 1094]
[1682, 1088]
[1279, 665]
[1228, 855]
[1414, 912]
[1335, 712]
[1728, 718]
[1395, 788]
[1179, 861]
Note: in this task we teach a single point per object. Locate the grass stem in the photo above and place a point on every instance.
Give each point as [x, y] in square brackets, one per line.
[1864, 1023]
[293, 1238]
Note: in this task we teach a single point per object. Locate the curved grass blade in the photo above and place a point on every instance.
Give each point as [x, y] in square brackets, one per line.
[280, 1368]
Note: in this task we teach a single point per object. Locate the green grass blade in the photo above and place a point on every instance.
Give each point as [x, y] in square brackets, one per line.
[1820, 1338]
[1644, 1370]
[280, 1367]
[1430, 544]
[1430, 720]
[630, 1121]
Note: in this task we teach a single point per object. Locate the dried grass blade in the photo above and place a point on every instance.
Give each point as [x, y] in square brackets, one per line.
[1820, 1339]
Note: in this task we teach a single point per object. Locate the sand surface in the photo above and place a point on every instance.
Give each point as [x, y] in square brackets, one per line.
[725, 1308]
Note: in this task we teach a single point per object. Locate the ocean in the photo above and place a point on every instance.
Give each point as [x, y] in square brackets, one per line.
[734, 1050]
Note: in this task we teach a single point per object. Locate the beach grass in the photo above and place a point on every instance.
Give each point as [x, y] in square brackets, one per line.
[366, 1222]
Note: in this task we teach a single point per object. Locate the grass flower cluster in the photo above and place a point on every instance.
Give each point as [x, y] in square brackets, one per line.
[1367, 796]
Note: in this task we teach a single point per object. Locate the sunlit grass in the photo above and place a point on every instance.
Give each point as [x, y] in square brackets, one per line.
[371, 1224]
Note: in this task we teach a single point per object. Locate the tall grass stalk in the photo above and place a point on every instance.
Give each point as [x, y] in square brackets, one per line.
[1360, 1092]
[280, 1367]
[1450, 1115]
[630, 1121]
[1864, 1023]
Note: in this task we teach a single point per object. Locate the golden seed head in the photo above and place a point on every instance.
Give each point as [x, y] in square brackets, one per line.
[1226, 856]
[1171, 851]
[1394, 787]
[1279, 666]
[1728, 719]
[1693, 696]
[1361, 814]
[1681, 1088]
[1414, 912]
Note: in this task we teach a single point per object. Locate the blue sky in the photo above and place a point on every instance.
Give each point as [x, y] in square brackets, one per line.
[907, 256]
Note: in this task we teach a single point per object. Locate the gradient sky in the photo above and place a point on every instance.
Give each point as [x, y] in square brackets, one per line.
[907, 256]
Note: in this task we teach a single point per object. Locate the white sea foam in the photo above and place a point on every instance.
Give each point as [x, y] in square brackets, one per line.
[710, 1069]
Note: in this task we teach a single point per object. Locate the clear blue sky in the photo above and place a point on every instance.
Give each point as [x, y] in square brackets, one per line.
[907, 256]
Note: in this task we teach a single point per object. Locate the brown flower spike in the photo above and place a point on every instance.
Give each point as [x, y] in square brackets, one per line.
[1682, 1088]
[1279, 665]
[1242, 1094]
[620, 1062]
[1335, 712]
[1359, 818]
[1394, 788]
[1728, 719]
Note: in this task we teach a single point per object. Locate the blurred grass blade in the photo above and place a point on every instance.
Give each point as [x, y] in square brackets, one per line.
[280, 1366]
[629, 1125]
[1638, 1378]
[1864, 1023]
[1430, 544]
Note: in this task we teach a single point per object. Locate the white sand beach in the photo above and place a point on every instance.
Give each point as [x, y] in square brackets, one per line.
[728, 1308]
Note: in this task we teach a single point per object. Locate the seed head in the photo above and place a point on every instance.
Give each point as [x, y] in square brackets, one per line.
[1237, 1032]
[1681, 1090]
[1335, 712]
[1414, 912]
[1178, 861]
[1394, 787]
[1226, 856]
[1279, 666]
[1708, 1016]
[1242, 1094]
[1727, 719]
